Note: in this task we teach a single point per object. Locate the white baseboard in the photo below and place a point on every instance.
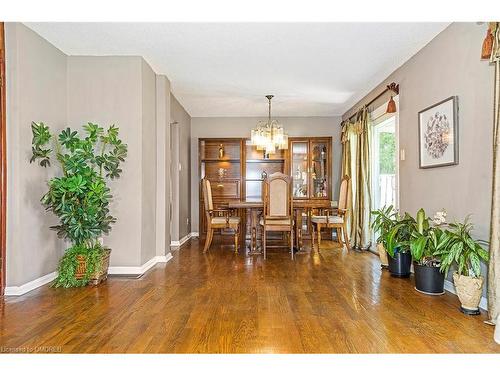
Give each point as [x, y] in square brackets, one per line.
[29, 286]
[139, 270]
[183, 240]
[450, 287]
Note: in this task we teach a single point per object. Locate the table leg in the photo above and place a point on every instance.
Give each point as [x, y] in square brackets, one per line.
[298, 229]
[254, 222]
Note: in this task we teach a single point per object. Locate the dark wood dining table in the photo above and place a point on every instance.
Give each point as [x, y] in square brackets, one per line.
[256, 206]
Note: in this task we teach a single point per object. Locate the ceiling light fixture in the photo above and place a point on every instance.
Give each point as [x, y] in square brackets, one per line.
[269, 135]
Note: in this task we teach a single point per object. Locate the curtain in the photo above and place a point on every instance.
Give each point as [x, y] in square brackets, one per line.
[494, 263]
[356, 164]
[346, 171]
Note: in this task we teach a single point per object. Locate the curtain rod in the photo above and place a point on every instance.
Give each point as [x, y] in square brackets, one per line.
[390, 87]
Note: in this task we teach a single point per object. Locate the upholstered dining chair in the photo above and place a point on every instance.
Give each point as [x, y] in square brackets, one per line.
[218, 218]
[277, 215]
[333, 218]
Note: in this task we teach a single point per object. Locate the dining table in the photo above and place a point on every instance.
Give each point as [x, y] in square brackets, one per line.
[256, 206]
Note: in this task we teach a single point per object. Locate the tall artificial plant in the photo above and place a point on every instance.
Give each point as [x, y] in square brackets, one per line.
[79, 197]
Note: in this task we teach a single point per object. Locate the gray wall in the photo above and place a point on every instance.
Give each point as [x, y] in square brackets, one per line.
[46, 85]
[108, 90]
[148, 206]
[449, 65]
[213, 127]
[179, 114]
[162, 165]
[35, 92]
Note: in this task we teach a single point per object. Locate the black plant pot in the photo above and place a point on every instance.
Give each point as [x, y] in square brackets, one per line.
[399, 265]
[428, 279]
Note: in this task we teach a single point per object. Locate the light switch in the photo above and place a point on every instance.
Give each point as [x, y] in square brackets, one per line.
[402, 155]
[180, 167]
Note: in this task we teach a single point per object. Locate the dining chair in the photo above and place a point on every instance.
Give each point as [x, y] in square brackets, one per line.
[333, 218]
[221, 218]
[277, 215]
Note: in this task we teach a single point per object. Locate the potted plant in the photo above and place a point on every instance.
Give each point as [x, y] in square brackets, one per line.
[80, 196]
[383, 220]
[467, 254]
[397, 242]
[425, 243]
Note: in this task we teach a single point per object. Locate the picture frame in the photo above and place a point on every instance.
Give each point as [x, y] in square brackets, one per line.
[438, 134]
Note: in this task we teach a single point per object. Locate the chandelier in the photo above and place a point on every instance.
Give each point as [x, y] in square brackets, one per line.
[269, 135]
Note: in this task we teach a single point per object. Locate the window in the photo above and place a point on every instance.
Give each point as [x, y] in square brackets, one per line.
[385, 167]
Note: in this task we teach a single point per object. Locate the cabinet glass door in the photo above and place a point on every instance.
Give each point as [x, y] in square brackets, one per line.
[300, 168]
[319, 169]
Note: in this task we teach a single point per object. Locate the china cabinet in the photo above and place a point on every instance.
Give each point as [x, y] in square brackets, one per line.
[236, 170]
[220, 161]
[310, 168]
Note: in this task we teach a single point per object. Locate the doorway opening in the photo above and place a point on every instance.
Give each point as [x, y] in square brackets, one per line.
[174, 183]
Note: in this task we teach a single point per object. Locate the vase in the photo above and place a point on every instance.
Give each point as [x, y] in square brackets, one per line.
[400, 264]
[469, 291]
[428, 279]
[382, 253]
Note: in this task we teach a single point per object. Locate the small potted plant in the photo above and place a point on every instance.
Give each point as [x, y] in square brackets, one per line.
[467, 254]
[79, 196]
[383, 221]
[397, 242]
[425, 243]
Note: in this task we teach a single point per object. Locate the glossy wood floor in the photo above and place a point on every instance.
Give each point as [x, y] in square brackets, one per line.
[334, 302]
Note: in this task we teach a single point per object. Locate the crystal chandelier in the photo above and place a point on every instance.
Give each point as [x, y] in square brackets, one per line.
[269, 135]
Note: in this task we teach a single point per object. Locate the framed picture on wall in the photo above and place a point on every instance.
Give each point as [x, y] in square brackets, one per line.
[438, 134]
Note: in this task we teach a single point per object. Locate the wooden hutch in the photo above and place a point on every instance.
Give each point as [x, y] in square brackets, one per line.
[236, 170]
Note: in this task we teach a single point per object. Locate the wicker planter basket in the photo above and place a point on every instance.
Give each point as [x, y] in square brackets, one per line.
[469, 291]
[100, 274]
[382, 253]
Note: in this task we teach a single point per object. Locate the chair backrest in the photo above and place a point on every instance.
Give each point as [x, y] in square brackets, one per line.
[277, 194]
[344, 193]
[207, 196]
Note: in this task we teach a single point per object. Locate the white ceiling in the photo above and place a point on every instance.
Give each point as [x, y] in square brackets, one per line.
[226, 69]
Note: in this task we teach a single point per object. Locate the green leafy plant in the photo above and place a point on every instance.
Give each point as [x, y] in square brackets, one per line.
[383, 221]
[394, 231]
[80, 197]
[463, 250]
[398, 237]
[427, 241]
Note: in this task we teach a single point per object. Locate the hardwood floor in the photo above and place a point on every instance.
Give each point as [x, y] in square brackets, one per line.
[331, 302]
